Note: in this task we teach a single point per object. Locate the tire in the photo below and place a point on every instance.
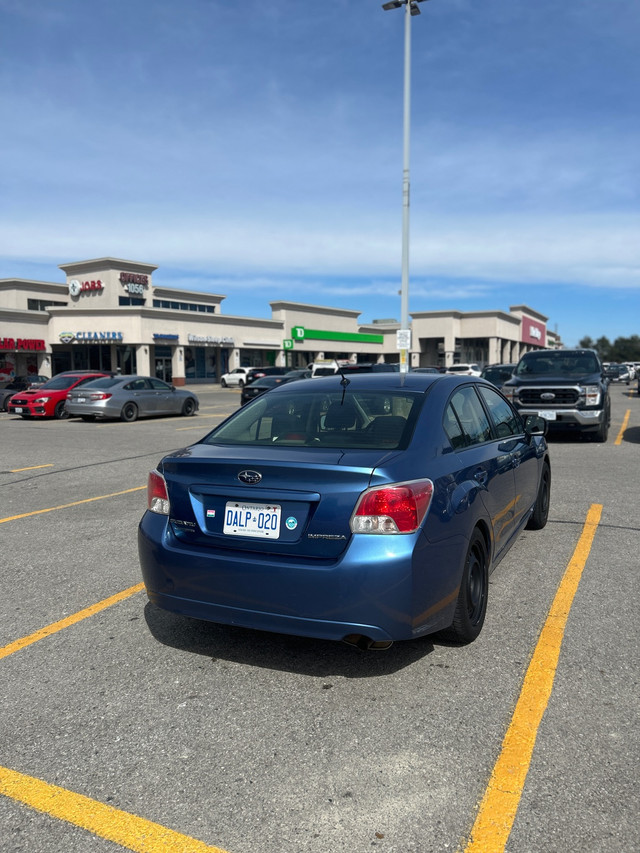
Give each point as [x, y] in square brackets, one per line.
[223, 383]
[471, 607]
[60, 411]
[241, 384]
[129, 413]
[601, 434]
[541, 507]
[189, 407]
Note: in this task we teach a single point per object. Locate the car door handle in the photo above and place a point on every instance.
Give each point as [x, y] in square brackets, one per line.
[480, 476]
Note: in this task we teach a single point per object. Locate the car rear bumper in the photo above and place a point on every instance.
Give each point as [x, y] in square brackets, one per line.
[383, 594]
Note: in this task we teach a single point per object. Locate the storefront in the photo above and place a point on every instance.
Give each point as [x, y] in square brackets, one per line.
[19, 356]
[108, 315]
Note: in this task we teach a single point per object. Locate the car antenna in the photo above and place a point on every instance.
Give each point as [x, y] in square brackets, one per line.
[344, 381]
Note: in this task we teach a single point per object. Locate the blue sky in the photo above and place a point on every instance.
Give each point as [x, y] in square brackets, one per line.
[254, 149]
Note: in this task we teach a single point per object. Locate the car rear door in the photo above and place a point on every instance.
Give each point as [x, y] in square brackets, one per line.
[485, 463]
[509, 429]
[143, 395]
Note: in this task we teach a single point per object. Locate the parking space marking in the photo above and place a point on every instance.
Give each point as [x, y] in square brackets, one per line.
[22, 643]
[625, 421]
[500, 803]
[123, 828]
[30, 468]
[75, 503]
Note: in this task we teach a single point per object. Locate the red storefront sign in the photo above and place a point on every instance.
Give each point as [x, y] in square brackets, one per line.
[22, 344]
[534, 332]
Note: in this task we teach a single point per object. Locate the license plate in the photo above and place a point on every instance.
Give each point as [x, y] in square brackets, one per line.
[81, 400]
[548, 416]
[17, 410]
[261, 520]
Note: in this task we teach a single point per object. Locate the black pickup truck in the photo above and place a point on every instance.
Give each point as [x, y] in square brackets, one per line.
[565, 387]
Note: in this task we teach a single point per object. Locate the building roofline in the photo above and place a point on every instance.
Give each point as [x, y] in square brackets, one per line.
[107, 263]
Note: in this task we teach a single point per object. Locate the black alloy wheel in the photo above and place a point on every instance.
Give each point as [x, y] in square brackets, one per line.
[60, 412]
[471, 607]
[540, 512]
[189, 407]
[129, 413]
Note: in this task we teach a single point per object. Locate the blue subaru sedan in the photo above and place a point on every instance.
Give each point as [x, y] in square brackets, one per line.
[368, 509]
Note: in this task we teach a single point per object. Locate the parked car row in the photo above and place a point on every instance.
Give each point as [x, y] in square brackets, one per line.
[93, 395]
[241, 376]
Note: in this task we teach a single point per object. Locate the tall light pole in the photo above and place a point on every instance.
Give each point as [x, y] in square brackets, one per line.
[404, 337]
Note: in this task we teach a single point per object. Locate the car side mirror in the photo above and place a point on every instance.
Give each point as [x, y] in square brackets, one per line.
[535, 425]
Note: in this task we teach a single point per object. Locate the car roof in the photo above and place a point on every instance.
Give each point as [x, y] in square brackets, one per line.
[376, 381]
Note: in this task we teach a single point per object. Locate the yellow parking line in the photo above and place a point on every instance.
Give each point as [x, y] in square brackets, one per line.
[501, 800]
[623, 427]
[75, 503]
[22, 643]
[31, 468]
[123, 828]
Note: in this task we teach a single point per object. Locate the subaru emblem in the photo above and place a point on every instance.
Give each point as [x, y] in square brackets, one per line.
[250, 477]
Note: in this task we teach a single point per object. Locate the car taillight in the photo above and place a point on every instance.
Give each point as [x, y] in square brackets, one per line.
[157, 497]
[100, 396]
[399, 508]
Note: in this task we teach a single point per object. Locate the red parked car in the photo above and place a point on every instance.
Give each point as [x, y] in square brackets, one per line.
[49, 400]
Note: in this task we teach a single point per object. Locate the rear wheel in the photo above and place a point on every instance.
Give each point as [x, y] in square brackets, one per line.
[60, 412]
[129, 412]
[472, 597]
[541, 508]
[223, 383]
[189, 407]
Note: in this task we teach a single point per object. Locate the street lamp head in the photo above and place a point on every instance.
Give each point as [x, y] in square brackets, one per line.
[396, 4]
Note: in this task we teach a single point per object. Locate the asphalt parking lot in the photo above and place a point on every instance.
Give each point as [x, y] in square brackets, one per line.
[125, 728]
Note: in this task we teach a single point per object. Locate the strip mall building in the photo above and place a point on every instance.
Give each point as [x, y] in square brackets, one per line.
[109, 315]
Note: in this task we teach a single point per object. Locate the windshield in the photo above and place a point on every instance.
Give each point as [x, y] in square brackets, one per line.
[558, 363]
[372, 419]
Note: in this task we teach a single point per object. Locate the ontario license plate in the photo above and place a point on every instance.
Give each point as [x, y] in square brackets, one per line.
[261, 520]
[548, 416]
[17, 410]
[81, 400]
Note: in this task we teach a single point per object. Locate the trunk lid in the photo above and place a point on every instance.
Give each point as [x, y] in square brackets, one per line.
[299, 505]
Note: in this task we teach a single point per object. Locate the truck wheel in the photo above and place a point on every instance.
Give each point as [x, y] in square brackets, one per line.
[602, 433]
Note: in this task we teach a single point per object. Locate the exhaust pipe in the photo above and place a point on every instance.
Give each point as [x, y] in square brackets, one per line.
[360, 641]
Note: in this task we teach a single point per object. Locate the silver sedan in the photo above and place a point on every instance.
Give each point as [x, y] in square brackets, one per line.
[129, 398]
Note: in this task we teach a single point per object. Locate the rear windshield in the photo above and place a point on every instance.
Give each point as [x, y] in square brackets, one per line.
[104, 382]
[373, 419]
[560, 362]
